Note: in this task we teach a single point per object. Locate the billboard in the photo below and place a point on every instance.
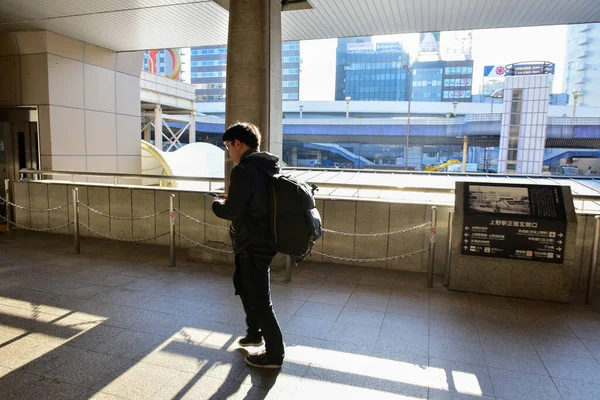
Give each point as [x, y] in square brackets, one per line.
[429, 42]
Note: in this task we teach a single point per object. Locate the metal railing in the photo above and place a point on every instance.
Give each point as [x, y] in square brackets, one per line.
[32, 174]
[173, 232]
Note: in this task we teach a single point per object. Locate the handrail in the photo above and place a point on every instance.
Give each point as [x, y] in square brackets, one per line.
[324, 185]
[121, 175]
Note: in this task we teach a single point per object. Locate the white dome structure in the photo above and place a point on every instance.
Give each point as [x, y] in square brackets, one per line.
[195, 159]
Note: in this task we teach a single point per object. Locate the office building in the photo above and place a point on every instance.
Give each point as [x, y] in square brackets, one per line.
[583, 63]
[371, 71]
[209, 64]
[445, 81]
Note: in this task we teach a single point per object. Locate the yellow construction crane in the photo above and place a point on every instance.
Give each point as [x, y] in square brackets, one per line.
[441, 167]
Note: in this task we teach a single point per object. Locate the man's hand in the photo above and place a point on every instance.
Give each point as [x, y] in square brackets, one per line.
[221, 197]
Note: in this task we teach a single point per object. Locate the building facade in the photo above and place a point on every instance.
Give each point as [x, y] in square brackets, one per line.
[445, 81]
[582, 59]
[208, 65]
[524, 123]
[371, 71]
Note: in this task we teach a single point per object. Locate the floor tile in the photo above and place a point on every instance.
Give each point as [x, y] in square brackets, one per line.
[329, 297]
[89, 369]
[521, 386]
[560, 346]
[131, 344]
[361, 317]
[463, 330]
[318, 310]
[389, 340]
[406, 325]
[459, 377]
[586, 330]
[514, 359]
[354, 334]
[368, 302]
[139, 382]
[437, 394]
[577, 390]
[454, 350]
[593, 346]
[573, 368]
[308, 326]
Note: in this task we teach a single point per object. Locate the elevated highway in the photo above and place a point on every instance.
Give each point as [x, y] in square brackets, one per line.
[482, 129]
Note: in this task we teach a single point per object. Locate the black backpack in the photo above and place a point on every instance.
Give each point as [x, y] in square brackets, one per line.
[296, 220]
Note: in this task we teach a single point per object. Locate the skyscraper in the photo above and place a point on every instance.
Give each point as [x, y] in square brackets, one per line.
[209, 70]
[371, 71]
[583, 63]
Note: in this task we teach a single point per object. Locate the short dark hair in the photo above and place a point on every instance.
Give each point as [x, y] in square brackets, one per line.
[245, 132]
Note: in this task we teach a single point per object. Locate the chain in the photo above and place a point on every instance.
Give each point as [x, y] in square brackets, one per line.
[34, 229]
[414, 228]
[371, 259]
[122, 218]
[120, 239]
[203, 245]
[199, 221]
[5, 201]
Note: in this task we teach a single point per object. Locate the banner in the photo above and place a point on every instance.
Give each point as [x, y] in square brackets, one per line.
[494, 71]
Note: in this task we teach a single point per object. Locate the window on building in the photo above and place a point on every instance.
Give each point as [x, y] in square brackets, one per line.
[211, 74]
[514, 129]
[291, 46]
[199, 52]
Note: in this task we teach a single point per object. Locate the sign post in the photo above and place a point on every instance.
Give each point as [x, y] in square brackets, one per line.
[526, 222]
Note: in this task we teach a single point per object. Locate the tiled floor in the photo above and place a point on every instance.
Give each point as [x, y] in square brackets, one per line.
[115, 322]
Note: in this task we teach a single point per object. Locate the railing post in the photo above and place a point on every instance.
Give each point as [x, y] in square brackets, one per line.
[432, 246]
[172, 229]
[7, 209]
[76, 220]
[288, 268]
[449, 250]
[593, 261]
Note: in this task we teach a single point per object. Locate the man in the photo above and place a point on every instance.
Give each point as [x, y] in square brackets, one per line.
[247, 206]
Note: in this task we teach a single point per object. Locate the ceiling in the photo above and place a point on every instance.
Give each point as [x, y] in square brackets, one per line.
[124, 25]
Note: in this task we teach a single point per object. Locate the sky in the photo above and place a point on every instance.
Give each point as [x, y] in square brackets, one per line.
[489, 47]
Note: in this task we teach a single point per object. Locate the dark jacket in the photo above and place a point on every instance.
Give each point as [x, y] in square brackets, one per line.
[247, 204]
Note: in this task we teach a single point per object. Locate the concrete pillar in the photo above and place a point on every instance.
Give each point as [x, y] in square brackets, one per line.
[158, 123]
[193, 127]
[147, 130]
[254, 92]
[294, 157]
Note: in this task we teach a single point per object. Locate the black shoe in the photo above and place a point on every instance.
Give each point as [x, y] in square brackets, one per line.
[251, 341]
[263, 361]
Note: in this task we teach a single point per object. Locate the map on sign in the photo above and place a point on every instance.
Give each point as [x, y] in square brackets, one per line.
[525, 222]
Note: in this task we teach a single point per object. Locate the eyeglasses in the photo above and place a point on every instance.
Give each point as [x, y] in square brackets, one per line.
[227, 144]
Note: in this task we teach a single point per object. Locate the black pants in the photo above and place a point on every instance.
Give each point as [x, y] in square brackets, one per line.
[251, 280]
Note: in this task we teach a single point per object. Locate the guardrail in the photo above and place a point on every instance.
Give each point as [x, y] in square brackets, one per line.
[24, 173]
[172, 231]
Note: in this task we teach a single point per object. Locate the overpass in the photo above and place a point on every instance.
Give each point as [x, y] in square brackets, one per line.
[482, 130]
